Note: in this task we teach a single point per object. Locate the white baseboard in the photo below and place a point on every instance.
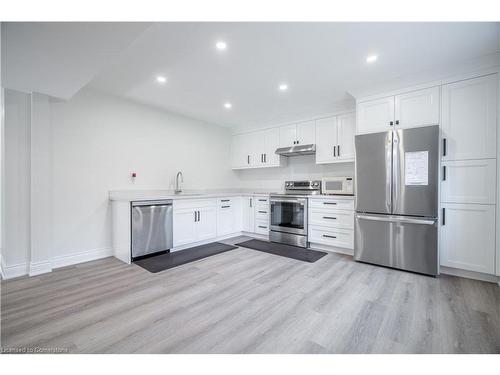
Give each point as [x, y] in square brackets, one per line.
[12, 271]
[469, 274]
[38, 268]
[333, 249]
[81, 257]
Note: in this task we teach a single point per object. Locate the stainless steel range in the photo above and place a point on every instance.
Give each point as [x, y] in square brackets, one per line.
[289, 212]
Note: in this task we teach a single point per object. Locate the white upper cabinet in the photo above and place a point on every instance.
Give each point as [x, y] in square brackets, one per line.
[306, 133]
[270, 139]
[303, 133]
[347, 130]
[327, 136]
[375, 115]
[409, 110]
[468, 237]
[288, 135]
[255, 149]
[469, 119]
[417, 108]
[335, 139]
[469, 181]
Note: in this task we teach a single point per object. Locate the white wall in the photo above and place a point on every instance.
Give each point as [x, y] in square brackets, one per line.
[297, 168]
[98, 140]
[16, 236]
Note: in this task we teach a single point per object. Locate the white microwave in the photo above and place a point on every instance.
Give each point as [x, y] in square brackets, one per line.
[337, 185]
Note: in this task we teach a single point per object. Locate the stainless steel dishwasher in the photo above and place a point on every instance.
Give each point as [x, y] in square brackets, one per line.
[151, 227]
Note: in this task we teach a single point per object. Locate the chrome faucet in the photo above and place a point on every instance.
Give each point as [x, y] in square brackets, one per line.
[178, 188]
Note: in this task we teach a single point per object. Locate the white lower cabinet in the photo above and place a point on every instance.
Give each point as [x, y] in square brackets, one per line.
[331, 222]
[228, 216]
[194, 221]
[248, 214]
[467, 237]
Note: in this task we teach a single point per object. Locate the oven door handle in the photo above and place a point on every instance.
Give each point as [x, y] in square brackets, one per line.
[301, 202]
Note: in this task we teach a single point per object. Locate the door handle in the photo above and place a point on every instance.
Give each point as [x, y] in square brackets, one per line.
[444, 146]
[394, 219]
[444, 172]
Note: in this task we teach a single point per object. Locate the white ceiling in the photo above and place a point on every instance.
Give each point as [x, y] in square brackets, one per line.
[321, 62]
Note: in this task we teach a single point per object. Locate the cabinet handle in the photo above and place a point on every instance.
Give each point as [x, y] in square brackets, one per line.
[265, 158]
[329, 217]
[334, 151]
[199, 216]
[443, 217]
[444, 172]
[444, 146]
[248, 159]
[332, 203]
[262, 200]
[327, 236]
[225, 206]
[391, 123]
[260, 226]
[262, 212]
[338, 150]
[195, 216]
[225, 200]
[397, 122]
[250, 202]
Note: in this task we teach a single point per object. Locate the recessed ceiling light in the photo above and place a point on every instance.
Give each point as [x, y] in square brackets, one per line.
[161, 79]
[221, 45]
[283, 87]
[371, 58]
[227, 105]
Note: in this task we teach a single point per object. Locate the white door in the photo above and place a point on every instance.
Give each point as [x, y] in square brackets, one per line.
[469, 181]
[248, 215]
[375, 115]
[225, 220]
[184, 226]
[306, 133]
[206, 227]
[288, 135]
[469, 118]
[327, 140]
[271, 143]
[468, 237]
[417, 108]
[346, 131]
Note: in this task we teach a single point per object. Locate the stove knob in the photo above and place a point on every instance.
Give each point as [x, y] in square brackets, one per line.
[316, 183]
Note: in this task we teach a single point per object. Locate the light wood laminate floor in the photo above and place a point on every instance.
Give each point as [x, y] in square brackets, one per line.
[245, 301]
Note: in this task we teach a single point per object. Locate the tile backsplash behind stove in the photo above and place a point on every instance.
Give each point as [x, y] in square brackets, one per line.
[296, 168]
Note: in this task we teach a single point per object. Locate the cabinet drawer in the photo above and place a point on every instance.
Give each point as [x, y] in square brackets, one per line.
[226, 201]
[332, 204]
[181, 204]
[262, 213]
[332, 237]
[469, 181]
[331, 218]
[262, 227]
[261, 200]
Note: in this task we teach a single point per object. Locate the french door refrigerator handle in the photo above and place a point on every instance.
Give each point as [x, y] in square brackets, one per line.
[392, 219]
[388, 168]
[396, 161]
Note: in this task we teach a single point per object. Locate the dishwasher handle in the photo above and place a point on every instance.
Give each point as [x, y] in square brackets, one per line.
[163, 202]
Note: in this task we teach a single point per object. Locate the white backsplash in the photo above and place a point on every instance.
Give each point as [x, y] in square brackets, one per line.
[296, 168]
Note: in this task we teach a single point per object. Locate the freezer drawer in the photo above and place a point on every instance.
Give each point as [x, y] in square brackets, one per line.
[402, 242]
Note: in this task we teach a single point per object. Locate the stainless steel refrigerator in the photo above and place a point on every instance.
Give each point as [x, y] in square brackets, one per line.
[397, 199]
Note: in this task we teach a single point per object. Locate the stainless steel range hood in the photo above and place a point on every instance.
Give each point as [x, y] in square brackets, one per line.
[297, 150]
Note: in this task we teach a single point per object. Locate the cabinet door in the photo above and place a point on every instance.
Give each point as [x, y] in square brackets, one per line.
[306, 133]
[327, 140]
[206, 227]
[248, 216]
[346, 131]
[271, 143]
[469, 118]
[288, 135]
[375, 115]
[417, 108]
[238, 155]
[225, 220]
[469, 181]
[184, 227]
[468, 237]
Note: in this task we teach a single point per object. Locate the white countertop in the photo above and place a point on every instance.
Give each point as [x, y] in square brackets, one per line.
[146, 195]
